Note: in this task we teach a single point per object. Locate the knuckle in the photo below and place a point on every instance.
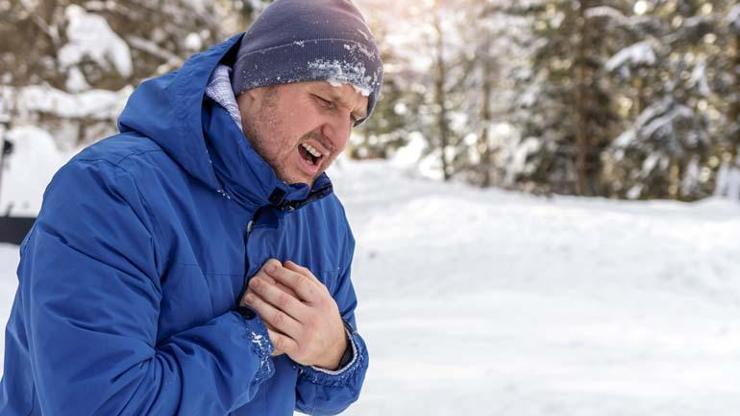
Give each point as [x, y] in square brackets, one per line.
[278, 318]
[283, 299]
[312, 325]
[279, 343]
[302, 278]
[323, 303]
[299, 350]
[308, 287]
[269, 265]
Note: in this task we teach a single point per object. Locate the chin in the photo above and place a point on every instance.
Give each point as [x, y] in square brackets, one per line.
[295, 179]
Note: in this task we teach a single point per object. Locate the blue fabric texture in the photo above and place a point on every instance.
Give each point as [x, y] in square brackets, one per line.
[317, 40]
[129, 278]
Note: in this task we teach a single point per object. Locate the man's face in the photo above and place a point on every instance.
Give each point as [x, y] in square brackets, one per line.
[300, 128]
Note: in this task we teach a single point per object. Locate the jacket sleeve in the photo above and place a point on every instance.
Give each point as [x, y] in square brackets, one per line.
[324, 392]
[90, 269]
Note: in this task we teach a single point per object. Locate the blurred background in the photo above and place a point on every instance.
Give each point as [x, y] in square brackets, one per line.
[583, 258]
[612, 98]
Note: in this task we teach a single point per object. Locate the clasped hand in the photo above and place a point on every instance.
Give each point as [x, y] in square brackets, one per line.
[301, 316]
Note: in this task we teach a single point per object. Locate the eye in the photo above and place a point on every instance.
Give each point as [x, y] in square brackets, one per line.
[326, 103]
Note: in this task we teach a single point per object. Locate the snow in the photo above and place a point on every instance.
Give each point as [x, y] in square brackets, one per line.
[360, 90]
[699, 79]
[519, 153]
[199, 6]
[193, 42]
[728, 181]
[608, 12]
[494, 303]
[76, 81]
[344, 72]
[650, 162]
[626, 139]
[8, 285]
[640, 53]
[94, 104]
[733, 18]
[90, 36]
[407, 157]
[486, 302]
[691, 178]
[664, 124]
[28, 170]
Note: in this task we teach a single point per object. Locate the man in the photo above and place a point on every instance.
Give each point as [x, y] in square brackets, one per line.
[198, 263]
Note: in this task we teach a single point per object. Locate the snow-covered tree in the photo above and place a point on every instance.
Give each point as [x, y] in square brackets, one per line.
[676, 94]
[567, 112]
[68, 66]
[494, 39]
[391, 123]
[72, 64]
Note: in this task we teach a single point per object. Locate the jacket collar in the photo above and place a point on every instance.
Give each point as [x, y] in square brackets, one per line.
[243, 174]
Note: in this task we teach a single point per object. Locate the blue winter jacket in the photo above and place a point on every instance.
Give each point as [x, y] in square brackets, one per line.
[145, 241]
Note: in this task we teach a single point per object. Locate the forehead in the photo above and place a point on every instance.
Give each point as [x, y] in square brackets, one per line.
[346, 94]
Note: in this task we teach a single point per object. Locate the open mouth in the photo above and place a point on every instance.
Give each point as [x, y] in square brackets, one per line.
[310, 154]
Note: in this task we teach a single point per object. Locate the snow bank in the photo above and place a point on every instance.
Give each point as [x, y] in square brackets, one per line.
[28, 170]
[8, 285]
[94, 104]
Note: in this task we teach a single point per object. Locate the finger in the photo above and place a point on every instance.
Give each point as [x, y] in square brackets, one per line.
[281, 342]
[261, 274]
[277, 284]
[275, 351]
[280, 286]
[278, 298]
[275, 263]
[302, 270]
[273, 317]
[302, 285]
[270, 263]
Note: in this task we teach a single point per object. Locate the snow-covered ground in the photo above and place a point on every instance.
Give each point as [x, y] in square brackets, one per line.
[493, 303]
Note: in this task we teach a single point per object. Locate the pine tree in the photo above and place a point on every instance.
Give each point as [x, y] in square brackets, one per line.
[674, 82]
[568, 108]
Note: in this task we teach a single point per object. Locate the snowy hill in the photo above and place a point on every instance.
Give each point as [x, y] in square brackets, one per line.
[486, 302]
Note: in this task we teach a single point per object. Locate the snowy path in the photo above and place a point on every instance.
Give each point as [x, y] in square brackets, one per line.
[492, 303]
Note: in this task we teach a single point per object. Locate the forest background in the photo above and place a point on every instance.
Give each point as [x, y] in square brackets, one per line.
[612, 98]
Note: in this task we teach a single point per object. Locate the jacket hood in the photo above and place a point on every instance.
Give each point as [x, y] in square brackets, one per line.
[198, 134]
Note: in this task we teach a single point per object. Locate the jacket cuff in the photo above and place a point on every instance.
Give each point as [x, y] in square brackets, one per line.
[259, 340]
[323, 376]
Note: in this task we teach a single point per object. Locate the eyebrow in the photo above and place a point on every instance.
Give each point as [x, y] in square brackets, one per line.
[360, 114]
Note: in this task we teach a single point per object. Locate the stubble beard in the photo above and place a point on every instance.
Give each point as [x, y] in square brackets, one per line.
[265, 128]
[265, 131]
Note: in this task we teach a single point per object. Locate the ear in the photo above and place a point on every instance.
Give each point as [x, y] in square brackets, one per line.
[248, 97]
[249, 101]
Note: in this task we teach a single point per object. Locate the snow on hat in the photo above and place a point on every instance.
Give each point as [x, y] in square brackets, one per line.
[309, 40]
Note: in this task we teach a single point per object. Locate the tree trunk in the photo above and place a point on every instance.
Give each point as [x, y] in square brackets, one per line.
[440, 96]
[484, 147]
[583, 145]
[734, 112]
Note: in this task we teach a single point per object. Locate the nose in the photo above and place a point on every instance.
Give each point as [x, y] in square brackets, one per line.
[337, 129]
